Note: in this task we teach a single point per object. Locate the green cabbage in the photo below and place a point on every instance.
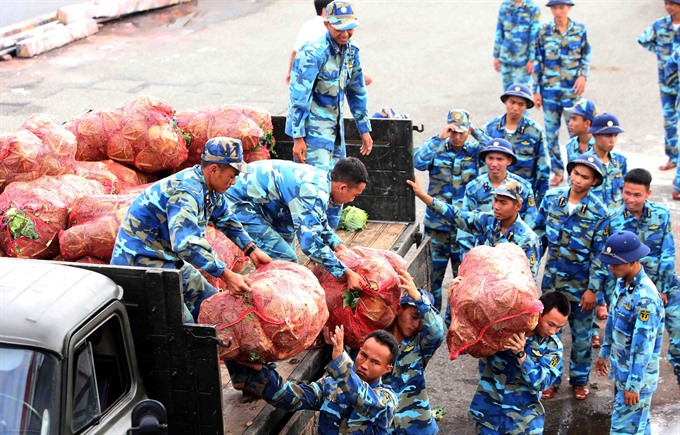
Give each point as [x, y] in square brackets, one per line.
[353, 219]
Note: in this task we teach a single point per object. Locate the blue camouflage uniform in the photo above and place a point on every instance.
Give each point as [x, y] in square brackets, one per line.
[515, 42]
[479, 196]
[348, 405]
[662, 39]
[529, 145]
[407, 378]
[165, 227]
[560, 60]
[322, 75]
[281, 199]
[508, 396]
[654, 230]
[610, 192]
[450, 171]
[574, 241]
[632, 343]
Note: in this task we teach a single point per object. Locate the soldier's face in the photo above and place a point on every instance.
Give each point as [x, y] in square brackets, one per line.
[515, 107]
[560, 11]
[634, 196]
[341, 37]
[497, 163]
[622, 270]
[408, 320]
[457, 140]
[672, 9]
[342, 193]
[373, 361]
[582, 178]
[550, 323]
[220, 178]
[505, 208]
[605, 143]
[578, 124]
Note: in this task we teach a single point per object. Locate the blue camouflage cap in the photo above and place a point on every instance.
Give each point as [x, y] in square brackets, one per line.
[585, 108]
[560, 2]
[606, 123]
[509, 188]
[518, 90]
[340, 15]
[460, 119]
[590, 161]
[225, 150]
[622, 248]
[408, 300]
[498, 145]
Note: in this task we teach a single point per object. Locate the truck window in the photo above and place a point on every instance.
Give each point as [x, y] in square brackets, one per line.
[102, 374]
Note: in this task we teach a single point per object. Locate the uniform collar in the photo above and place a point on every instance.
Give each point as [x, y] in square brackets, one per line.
[636, 280]
[520, 126]
[570, 24]
[581, 206]
[646, 212]
[335, 48]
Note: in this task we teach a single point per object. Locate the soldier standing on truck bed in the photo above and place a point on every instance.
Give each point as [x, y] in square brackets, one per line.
[165, 226]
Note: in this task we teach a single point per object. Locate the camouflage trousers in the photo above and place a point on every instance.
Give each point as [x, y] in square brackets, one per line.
[195, 288]
[631, 419]
[673, 327]
[530, 424]
[325, 159]
[515, 74]
[554, 103]
[581, 356]
[445, 249]
[279, 246]
[671, 116]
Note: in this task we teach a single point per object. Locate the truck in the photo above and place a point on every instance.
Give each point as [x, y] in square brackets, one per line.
[102, 349]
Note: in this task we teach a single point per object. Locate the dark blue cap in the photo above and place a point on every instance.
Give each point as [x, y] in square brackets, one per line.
[589, 160]
[498, 146]
[606, 123]
[585, 108]
[622, 248]
[560, 2]
[519, 90]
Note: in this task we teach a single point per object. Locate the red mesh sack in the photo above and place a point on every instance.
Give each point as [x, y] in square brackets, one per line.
[32, 213]
[395, 260]
[225, 250]
[493, 297]
[284, 314]
[251, 125]
[58, 141]
[114, 176]
[93, 130]
[94, 206]
[361, 312]
[261, 153]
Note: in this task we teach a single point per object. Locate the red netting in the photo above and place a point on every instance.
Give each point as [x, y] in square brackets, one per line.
[32, 213]
[92, 131]
[285, 314]
[251, 125]
[225, 250]
[261, 153]
[114, 176]
[493, 297]
[361, 312]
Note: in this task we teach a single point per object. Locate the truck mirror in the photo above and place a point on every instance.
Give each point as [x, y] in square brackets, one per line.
[149, 417]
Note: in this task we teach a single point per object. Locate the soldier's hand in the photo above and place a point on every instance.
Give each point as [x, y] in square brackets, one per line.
[407, 284]
[496, 64]
[338, 341]
[602, 367]
[259, 257]
[446, 132]
[538, 101]
[664, 298]
[354, 280]
[366, 144]
[300, 150]
[588, 301]
[237, 284]
[580, 85]
[630, 398]
[530, 67]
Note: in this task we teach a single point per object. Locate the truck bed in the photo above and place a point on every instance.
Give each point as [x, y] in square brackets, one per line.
[256, 416]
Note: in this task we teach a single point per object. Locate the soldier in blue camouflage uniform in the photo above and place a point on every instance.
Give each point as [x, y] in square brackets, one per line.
[281, 199]
[633, 336]
[419, 330]
[651, 222]
[165, 226]
[452, 160]
[514, 48]
[351, 396]
[324, 73]
[507, 400]
[527, 138]
[573, 223]
[581, 117]
[662, 39]
[605, 130]
[560, 73]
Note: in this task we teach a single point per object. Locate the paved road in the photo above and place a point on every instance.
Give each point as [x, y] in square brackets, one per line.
[425, 57]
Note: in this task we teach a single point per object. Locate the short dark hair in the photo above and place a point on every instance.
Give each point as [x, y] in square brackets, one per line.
[555, 300]
[350, 170]
[639, 176]
[320, 5]
[385, 338]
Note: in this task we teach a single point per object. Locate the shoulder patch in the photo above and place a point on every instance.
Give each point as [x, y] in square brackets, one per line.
[644, 315]
[606, 230]
[532, 259]
[532, 201]
[554, 361]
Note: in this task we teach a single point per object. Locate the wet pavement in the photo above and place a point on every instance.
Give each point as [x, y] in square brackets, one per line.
[425, 58]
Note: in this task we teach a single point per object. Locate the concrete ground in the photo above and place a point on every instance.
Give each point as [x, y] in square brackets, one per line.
[425, 58]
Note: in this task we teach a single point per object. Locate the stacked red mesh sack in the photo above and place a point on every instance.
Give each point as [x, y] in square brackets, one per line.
[493, 297]
[282, 316]
[374, 306]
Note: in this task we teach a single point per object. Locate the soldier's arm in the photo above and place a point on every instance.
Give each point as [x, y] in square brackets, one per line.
[584, 64]
[306, 67]
[647, 39]
[529, 210]
[432, 335]
[538, 63]
[423, 157]
[356, 96]
[606, 349]
[291, 396]
[533, 33]
[532, 248]
[540, 372]
[647, 323]
[598, 273]
[542, 167]
[498, 39]
[667, 258]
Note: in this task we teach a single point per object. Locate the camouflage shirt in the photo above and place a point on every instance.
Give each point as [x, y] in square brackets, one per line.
[168, 220]
[348, 405]
[407, 378]
[633, 335]
[516, 30]
[574, 242]
[322, 75]
[661, 39]
[561, 59]
[610, 191]
[293, 198]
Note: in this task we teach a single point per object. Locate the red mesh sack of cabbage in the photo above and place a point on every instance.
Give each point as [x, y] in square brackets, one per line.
[361, 312]
[493, 297]
[115, 177]
[282, 317]
[93, 224]
[33, 212]
[93, 132]
[227, 251]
